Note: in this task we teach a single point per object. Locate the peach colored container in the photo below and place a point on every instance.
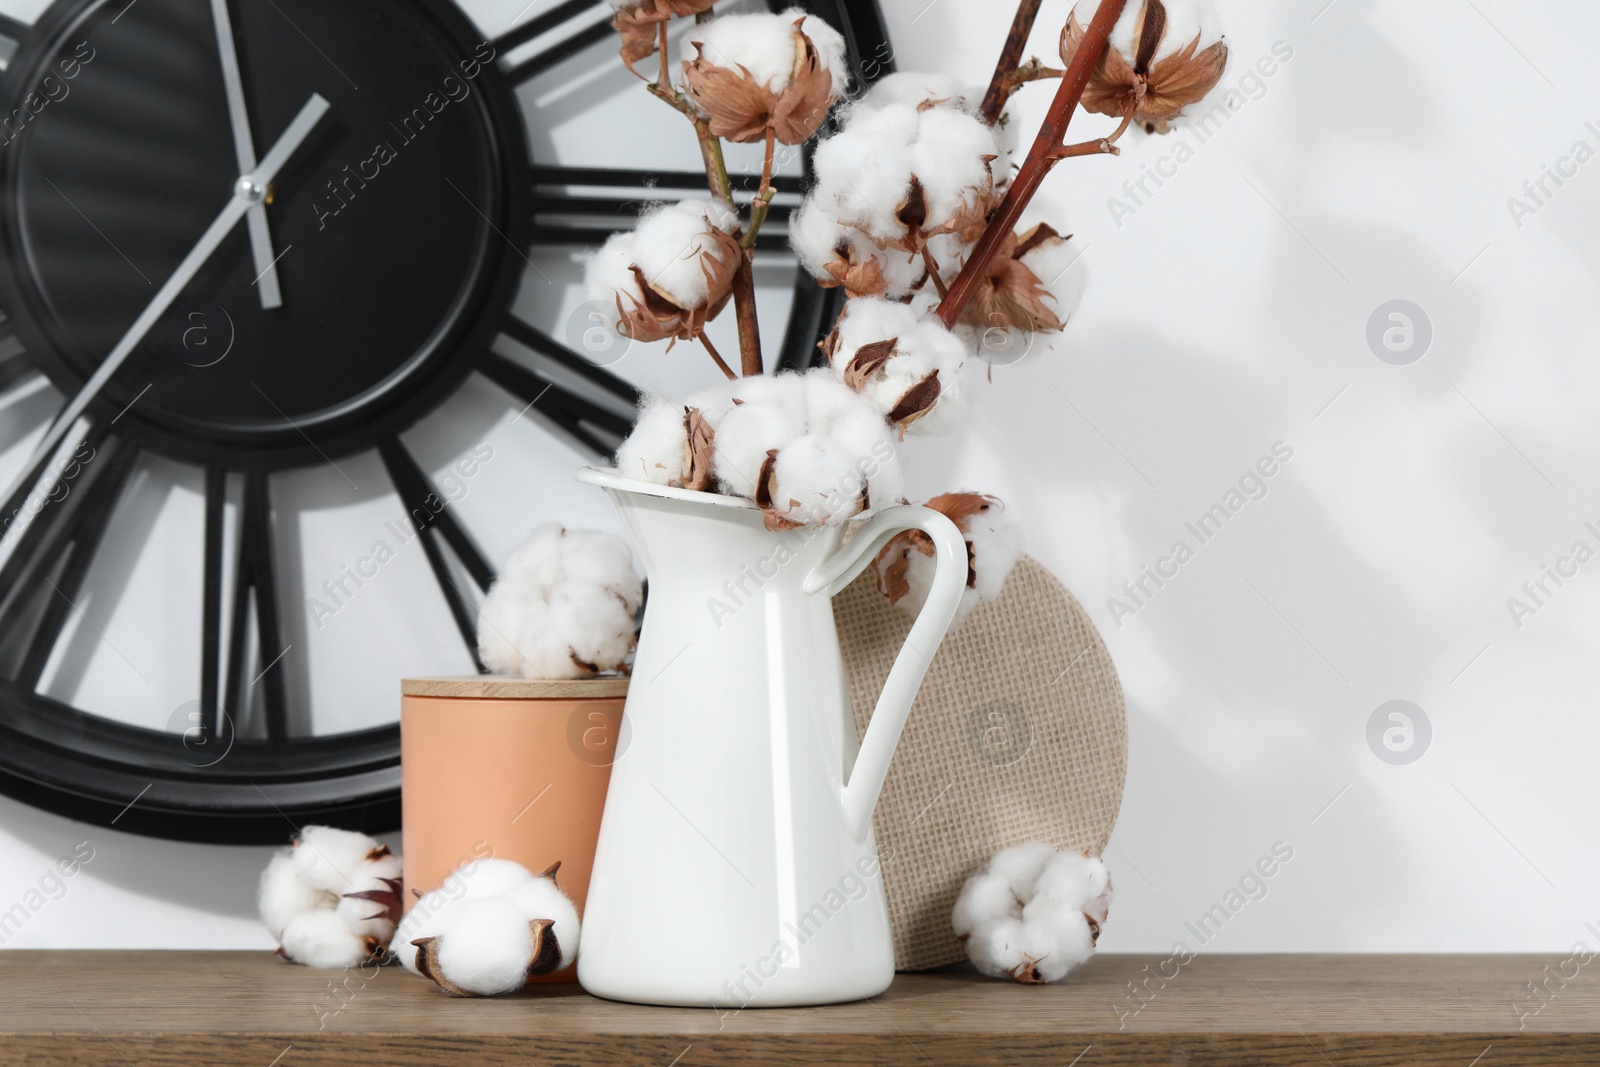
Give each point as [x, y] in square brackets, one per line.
[506, 767]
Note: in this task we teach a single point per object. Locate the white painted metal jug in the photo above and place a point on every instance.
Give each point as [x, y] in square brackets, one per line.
[736, 865]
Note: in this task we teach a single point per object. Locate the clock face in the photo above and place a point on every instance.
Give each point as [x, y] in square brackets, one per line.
[365, 317]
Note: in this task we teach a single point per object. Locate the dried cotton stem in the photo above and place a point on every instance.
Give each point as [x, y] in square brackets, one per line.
[1041, 157]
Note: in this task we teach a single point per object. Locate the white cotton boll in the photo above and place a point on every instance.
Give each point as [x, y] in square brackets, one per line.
[536, 563]
[747, 433]
[1021, 865]
[492, 878]
[762, 44]
[541, 898]
[428, 917]
[956, 390]
[284, 895]
[863, 172]
[1186, 20]
[815, 482]
[830, 47]
[1056, 264]
[775, 390]
[1032, 913]
[1073, 880]
[995, 540]
[994, 545]
[765, 45]
[501, 621]
[327, 857]
[655, 449]
[563, 606]
[602, 561]
[918, 87]
[950, 159]
[486, 947]
[817, 238]
[322, 939]
[596, 624]
[671, 243]
[608, 274]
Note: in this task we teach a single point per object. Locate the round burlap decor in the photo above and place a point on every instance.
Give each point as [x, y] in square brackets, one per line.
[1018, 735]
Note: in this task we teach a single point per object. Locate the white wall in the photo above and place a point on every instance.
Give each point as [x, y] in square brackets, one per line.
[1228, 310]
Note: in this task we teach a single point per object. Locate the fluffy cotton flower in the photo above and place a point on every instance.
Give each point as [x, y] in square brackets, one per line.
[902, 173]
[1032, 287]
[994, 544]
[671, 274]
[563, 606]
[918, 89]
[806, 448]
[332, 899]
[895, 356]
[670, 444]
[491, 926]
[845, 466]
[639, 22]
[760, 72]
[1032, 913]
[840, 255]
[1161, 56]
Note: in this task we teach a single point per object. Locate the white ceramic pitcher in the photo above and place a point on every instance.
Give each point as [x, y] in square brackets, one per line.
[736, 864]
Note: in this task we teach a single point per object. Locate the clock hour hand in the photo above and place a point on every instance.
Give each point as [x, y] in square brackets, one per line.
[246, 191]
[244, 148]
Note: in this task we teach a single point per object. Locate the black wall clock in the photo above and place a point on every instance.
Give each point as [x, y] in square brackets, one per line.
[248, 238]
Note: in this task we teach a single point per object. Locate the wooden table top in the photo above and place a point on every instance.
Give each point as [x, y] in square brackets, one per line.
[250, 1008]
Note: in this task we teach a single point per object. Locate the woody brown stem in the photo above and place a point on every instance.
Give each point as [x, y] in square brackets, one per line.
[716, 356]
[744, 307]
[1041, 157]
[1033, 71]
[1001, 85]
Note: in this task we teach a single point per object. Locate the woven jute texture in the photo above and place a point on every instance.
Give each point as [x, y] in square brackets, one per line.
[1018, 735]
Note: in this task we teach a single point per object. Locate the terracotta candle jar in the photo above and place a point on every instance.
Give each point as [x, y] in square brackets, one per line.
[509, 768]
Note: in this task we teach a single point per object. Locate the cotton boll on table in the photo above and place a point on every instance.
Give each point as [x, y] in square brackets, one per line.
[494, 925]
[332, 899]
[1031, 913]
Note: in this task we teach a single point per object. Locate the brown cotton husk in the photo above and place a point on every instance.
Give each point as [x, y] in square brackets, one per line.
[915, 403]
[639, 26]
[1154, 91]
[546, 950]
[912, 215]
[894, 559]
[868, 360]
[699, 446]
[390, 902]
[860, 277]
[1011, 296]
[741, 109]
[660, 317]
[544, 959]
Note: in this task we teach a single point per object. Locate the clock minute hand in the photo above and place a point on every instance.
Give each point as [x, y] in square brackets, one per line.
[245, 150]
[237, 205]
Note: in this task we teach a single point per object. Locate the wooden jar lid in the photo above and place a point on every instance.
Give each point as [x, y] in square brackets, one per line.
[504, 687]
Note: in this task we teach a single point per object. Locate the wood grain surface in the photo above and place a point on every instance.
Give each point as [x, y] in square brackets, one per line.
[252, 1009]
[504, 687]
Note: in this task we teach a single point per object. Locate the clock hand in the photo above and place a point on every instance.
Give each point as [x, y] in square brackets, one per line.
[244, 193]
[245, 149]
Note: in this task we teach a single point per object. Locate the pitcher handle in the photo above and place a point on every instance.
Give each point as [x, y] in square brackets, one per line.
[916, 655]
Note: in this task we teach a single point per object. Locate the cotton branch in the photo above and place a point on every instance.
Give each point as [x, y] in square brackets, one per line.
[1044, 154]
[1003, 84]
